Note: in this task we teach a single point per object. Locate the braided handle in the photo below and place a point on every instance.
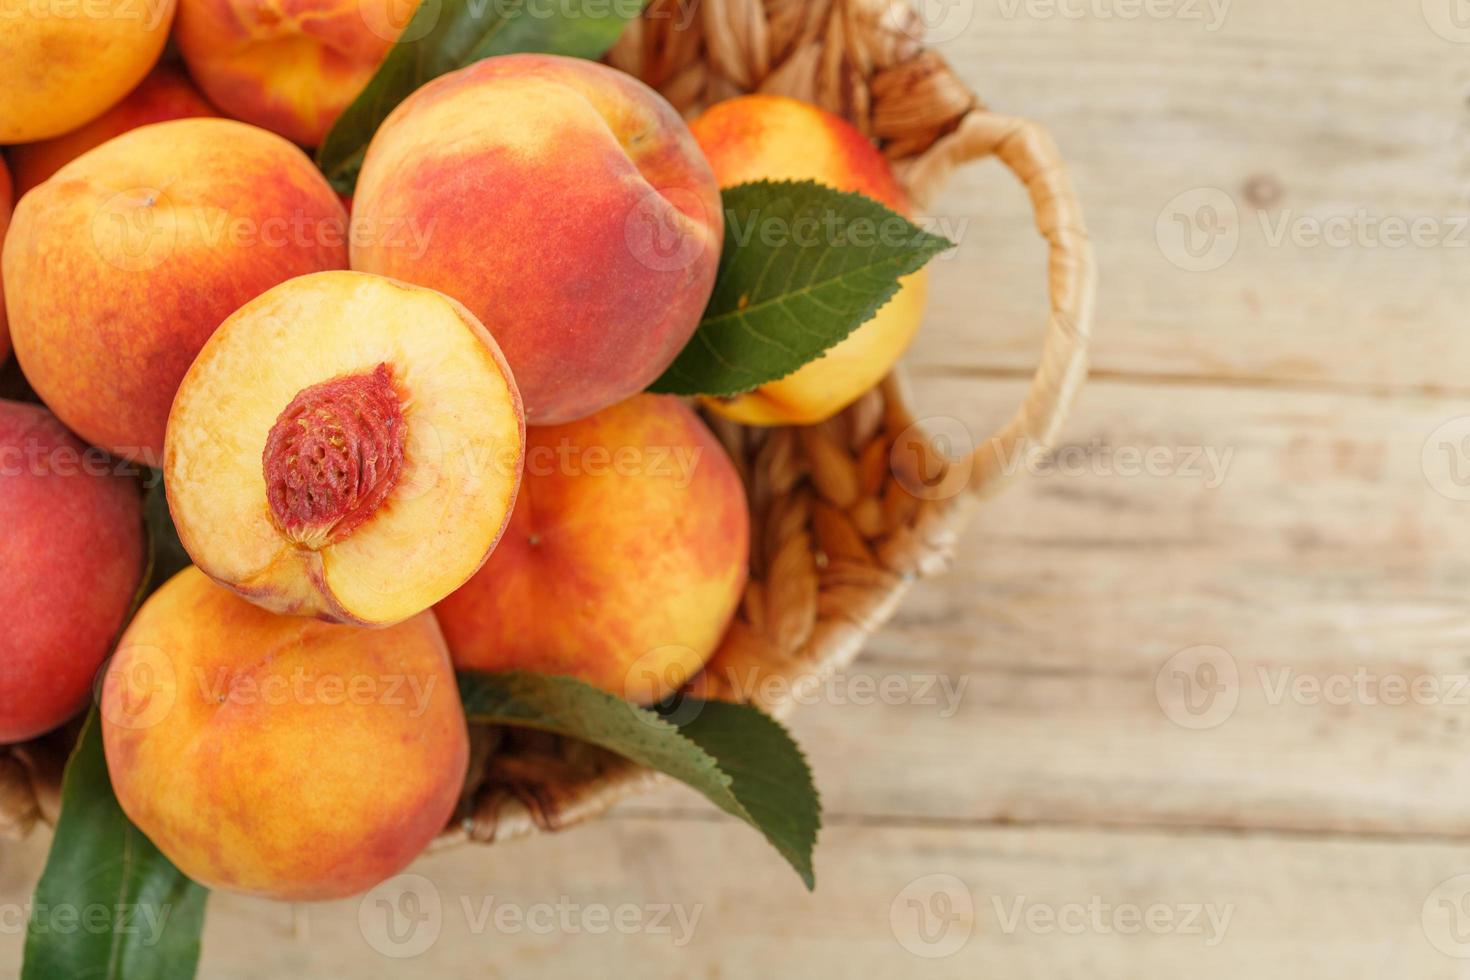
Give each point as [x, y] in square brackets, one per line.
[1028, 151]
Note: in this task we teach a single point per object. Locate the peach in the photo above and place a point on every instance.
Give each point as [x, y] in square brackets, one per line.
[64, 64]
[6, 200]
[119, 267]
[276, 756]
[71, 558]
[347, 447]
[290, 66]
[567, 206]
[165, 94]
[625, 557]
[767, 137]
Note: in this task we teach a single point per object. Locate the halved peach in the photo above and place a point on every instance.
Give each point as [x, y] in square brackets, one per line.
[346, 446]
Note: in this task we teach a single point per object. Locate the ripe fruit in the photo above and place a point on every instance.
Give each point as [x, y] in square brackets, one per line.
[278, 756]
[623, 562]
[766, 137]
[345, 446]
[165, 94]
[62, 64]
[569, 208]
[290, 66]
[71, 557]
[119, 267]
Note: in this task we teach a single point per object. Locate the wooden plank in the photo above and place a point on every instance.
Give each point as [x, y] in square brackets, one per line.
[1305, 112]
[1324, 557]
[1025, 904]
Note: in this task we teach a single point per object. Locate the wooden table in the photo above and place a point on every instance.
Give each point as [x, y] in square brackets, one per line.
[1085, 809]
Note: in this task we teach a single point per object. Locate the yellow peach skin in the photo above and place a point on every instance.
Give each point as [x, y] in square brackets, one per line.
[165, 94]
[290, 66]
[347, 447]
[119, 267]
[63, 64]
[566, 205]
[278, 756]
[765, 137]
[624, 560]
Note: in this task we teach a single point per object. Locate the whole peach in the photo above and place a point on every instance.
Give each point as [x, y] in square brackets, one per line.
[120, 266]
[165, 94]
[290, 66]
[63, 64]
[624, 560]
[279, 756]
[767, 137]
[566, 204]
[71, 557]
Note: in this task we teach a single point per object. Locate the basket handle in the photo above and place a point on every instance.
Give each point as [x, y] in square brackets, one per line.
[1029, 152]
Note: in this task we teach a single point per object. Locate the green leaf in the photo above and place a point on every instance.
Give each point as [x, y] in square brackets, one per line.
[741, 760]
[445, 35]
[109, 905]
[166, 553]
[803, 266]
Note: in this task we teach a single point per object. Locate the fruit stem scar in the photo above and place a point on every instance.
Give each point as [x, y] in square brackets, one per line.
[333, 456]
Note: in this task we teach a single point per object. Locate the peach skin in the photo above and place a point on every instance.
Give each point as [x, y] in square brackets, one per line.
[119, 267]
[165, 94]
[624, 560]
[64, 64]
[767, 137]
[290, 66]
[276, 756]
[346, 447]
[71, 558]
[569, 209]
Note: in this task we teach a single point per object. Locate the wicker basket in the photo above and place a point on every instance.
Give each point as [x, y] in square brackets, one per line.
[836, 538]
